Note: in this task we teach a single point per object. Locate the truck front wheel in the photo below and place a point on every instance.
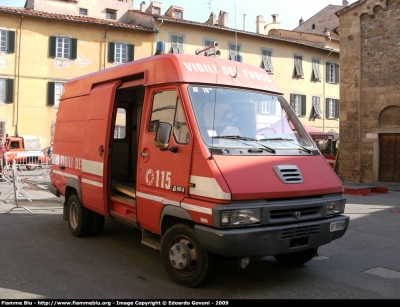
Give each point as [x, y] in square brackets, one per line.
[79, 218]
[297, 258]
[185, 260]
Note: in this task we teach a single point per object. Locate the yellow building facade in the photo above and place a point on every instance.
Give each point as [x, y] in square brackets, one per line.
[50, 49]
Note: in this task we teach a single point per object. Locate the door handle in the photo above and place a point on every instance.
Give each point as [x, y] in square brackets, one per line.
[144, 154]
[101, 150]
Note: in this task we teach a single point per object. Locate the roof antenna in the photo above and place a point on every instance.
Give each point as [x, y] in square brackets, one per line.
[209, 6]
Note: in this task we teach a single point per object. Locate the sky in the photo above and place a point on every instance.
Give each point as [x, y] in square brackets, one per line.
[289, 11]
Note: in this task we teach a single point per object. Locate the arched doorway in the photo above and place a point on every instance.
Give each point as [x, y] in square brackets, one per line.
[389, 145]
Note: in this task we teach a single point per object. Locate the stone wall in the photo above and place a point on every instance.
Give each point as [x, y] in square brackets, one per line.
[370, 69]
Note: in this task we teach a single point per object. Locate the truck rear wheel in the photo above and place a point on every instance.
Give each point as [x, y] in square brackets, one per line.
[185, 260]
[297, 258]
[79, 218]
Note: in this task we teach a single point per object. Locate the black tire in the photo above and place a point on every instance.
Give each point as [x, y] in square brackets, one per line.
[297, 258]
[97, 224]
[185, 260]
[79, 218]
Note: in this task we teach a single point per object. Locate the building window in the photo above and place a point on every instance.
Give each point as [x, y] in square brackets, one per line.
[316, 103]
[6, 90]
[332, 73]
[298, 66]
[266, 107]
[63, 47]
[156, 10]
[120, 53]
[111, 14]
[332, 108]
[209, 43]
[298, 104]
[54, 92]
[177, 43]
[266, 60]
[316, 73]
[83, 11]
[313, 27]
[7, 41]
[234, 51]
[178, 14]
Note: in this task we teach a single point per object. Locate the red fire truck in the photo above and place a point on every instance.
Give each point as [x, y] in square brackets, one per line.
[203, 155]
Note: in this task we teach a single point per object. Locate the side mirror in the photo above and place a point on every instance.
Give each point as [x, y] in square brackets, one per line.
[163, 135]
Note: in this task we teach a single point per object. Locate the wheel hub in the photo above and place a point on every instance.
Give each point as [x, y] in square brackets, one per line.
[179, 255]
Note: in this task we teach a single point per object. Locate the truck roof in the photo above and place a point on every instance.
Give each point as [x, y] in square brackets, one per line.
[166, 68]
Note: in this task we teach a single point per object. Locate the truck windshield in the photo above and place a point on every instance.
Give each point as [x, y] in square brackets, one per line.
[237, 118]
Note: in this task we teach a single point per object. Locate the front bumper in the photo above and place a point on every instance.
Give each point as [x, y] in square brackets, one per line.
[274, 240]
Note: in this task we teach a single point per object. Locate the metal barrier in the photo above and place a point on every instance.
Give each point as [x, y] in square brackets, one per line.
[31, 160]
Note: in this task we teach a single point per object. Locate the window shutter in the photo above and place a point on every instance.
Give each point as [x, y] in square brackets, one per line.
[292, 101]
[111, 52]
[273, 107]
[131, 52]
[327, 108]
[52, 47]
[303, 105]
[336, 73]
[327, 71]
[51, 93]
[259, 107]
[10, 42]
[336, 108]
[9, 91]
[74, 47]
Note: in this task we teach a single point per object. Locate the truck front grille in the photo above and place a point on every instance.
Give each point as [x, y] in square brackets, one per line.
[297, 232]
[293, 213]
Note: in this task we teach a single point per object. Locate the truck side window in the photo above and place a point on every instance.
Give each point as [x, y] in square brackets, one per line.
[167, 108]
[120, 124]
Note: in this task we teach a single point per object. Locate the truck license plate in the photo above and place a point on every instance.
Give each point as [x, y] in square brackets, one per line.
[335, 226]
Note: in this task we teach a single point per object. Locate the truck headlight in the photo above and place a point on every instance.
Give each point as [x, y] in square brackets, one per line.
[240, 217]
[336, 207]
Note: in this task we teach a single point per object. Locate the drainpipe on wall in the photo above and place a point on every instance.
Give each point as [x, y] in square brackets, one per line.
[158, 32]
[18, 78]
[323, 115]
[105, 47]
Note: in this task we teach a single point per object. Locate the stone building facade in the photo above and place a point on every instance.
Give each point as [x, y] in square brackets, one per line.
[369, 149]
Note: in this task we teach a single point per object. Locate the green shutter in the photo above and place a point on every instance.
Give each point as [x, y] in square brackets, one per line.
[74, 48]
[51, 93]
[327, 107]
[273, 107]
[292, 101]
[131, 52]
[52, 46]
[303, 105]
[111, 52]
[336, 108]
[336, 73]
[10, 42]
[327, 71]
[9, 91]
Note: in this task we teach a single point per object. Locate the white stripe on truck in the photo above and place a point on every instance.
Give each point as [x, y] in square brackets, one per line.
[207, 187]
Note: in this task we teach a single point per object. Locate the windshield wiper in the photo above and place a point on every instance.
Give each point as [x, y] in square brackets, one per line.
[244, 138]
[287, 140]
